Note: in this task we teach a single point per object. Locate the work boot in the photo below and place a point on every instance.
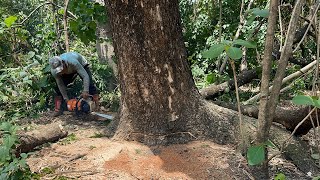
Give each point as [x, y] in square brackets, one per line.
[95, 99]
[58, 110]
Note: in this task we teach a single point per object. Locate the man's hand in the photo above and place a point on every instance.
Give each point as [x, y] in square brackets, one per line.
[85, 95]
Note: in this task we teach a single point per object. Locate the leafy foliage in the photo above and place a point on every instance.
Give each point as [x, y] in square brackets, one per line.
[12, 167]
[229, 47]
[89, 15]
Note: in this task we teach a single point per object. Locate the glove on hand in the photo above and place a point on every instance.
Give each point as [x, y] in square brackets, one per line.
[85, 95]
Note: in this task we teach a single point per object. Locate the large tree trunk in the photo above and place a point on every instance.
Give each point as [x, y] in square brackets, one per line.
[159, 101]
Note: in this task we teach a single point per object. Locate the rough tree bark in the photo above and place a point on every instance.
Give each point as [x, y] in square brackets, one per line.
[159, 101]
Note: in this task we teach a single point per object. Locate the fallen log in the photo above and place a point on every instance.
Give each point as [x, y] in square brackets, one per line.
[243, 78]
[289, 117]
[44, 134]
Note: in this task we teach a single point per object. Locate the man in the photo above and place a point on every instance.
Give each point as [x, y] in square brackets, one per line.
[65, 69]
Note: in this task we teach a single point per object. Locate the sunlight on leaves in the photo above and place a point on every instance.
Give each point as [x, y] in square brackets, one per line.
[10, 20]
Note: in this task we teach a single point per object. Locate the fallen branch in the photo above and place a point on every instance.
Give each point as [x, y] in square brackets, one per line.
[285, 80]
[289, 117]
[243, 78]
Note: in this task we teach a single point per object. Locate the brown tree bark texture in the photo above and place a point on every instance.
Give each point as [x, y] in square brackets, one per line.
[47, 133]
[158, 94]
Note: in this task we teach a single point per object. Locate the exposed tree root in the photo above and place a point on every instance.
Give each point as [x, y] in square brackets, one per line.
[221, 125]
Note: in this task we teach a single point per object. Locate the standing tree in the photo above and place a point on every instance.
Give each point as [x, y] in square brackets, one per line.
[159, 101]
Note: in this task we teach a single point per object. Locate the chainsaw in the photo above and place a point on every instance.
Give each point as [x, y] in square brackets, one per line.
[85, 106]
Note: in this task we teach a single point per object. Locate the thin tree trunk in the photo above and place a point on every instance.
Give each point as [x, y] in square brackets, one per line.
[266, 68]
[287, 52]
[65, 24]
[268, 106]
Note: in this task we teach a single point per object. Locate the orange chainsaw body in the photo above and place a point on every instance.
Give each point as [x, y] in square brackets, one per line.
[81, 105]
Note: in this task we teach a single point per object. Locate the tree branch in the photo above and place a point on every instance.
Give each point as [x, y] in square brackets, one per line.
[65, 24]
[285, 80]
[38, 7]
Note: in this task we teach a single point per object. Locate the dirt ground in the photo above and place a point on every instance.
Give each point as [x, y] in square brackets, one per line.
[87, 154]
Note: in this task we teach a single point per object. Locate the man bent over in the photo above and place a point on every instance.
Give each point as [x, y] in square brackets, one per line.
[65, 68]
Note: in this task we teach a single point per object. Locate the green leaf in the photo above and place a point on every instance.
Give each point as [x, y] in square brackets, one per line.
[234, 52]
[4, 153]
[280, 176]
[226, 42]
[251, 19]
[303, 100]
[61, 11]
[10, 20]
[316, 178]
[256, 155]
[31, 54]
[244, 43]
[23, 74]
[315, 156]
[211, 78]
[9, 141]
[24, 155]
[261, 12]
[74, 26]
[214, 51]
[4, 98]
[5, 126]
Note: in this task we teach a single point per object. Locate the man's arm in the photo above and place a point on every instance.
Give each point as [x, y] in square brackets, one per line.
[62, 87]
[84, 75]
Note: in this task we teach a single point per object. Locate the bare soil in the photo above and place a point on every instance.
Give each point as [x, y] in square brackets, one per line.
[87, 154]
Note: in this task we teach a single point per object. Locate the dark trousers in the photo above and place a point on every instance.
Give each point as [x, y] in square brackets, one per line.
[69, 79]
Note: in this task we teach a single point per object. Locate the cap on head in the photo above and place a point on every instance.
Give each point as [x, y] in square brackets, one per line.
[56, 64]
